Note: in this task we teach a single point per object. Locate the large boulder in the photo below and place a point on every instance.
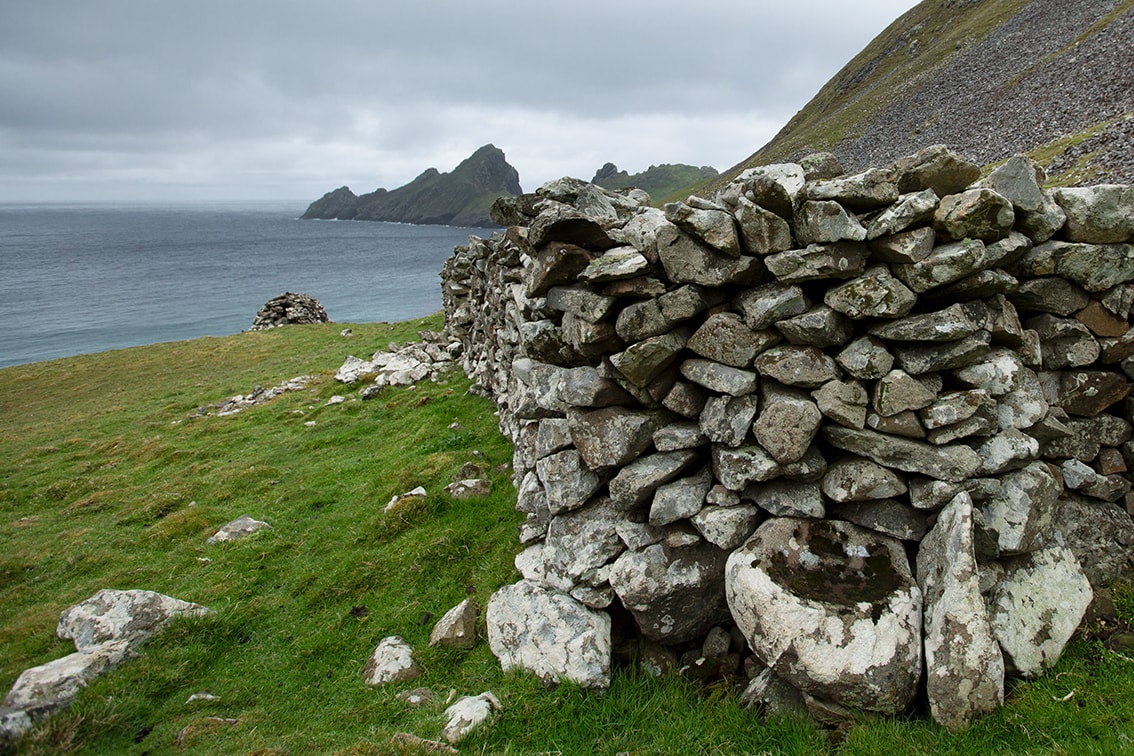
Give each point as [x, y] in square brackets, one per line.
[832, 608]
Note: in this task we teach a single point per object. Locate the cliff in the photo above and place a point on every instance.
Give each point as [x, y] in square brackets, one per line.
[459, 198]
[1053, 79]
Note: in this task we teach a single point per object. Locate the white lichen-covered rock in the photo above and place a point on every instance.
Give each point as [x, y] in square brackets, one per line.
[392, 661]
[467, 714]
[1037, 606]
[60, 680]
[112, 615]
[964, 664]
[549, 634]
[831, 608]
[241, 527]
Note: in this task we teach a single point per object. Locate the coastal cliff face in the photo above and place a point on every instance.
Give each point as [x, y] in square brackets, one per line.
[1053, 79]
[851, 437]
[459, 198]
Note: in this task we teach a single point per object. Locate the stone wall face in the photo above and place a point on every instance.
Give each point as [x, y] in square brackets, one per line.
[821, 426]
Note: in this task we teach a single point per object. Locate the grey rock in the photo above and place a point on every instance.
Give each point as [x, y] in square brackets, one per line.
[586, 387]
[467, 714]
[1036, 607]
[55, 684]
[642, 320]
[727, 420]
[797, 592]
[933, 358]
[686, 399]
[554, 264]
[974, 214]
[906, 247]
[825, 222]
[721, 378]
[241, 527]
[777, 187]
[683, 434]
[566, 480]
[949, 324]
[1040, 225]
[954, 407]
[553, 434]
[612, 435]
[898, 391]
[1006, 450]
[946, 264]
[687, 260]
[724, 338]
[1097, 214]
[726, 527]
[615, 265]
[951, 462]
[886, 516]
[1065, 342]
[762, 231]
[803, 366]
[680, 499]
[131, 616]
[818, 261]
[763, 305]
[636, 482]
[842, 401]
[857, 479]
[675, 595]
[580, 301]
[874, 294]
[787, 423]
[549, 634]
[908, 210]
[821, 326]
[579, 542]
[902, 424]
[469, 488]
[936, 168]
[1101, 536]
[716, 227]
[1020, 181]
[784, 498]
[1088, 393]
[737, 467]
[642, 362]
[686, 301]
[457, 628]
[1049, 294]
[865, 358]
[862, 191]
[963, 679]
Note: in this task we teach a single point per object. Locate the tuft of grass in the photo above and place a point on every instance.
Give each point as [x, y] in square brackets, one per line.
[108, 479]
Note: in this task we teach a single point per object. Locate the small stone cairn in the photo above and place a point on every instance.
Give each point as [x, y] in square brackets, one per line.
[289, 309]
[853, 436]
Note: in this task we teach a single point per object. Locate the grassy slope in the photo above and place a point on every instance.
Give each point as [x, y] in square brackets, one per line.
[105, 481]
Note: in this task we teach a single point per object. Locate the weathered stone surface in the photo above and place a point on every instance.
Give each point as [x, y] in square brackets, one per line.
[776, 187]
[946, 264]
[241, 527]
[932, 358]
[566, 480]
[905, 247]
[686, 399]
[738, 467]
[874, 294]
[1101, 536]
[936, 168]
[726, 527]
[1095, 267]
[797, 591]
[953, 407]
[898, 391]
[886, 516]
[721, 378]
[762, 232]
[1036, 606]
[549, 634]
[1088, 393]
[687, 260]
[640, 363]
[803, 366]
[131, 616]
[715, 226]
[1040, 225]
[675, 595]
[469, 488]
[949, 324]
[821, 326]
[467, 714]
[963, 679]
[683, 434]
[950, 463]
[555, 264]
[974, 214]
[1006, 450]
[457, 628]
[615, 265]
[785, 498]
[612, 436]
[842, 401]
[727, 420]
[825, 222]
[578, 543]
[862, 191]
[858, 479]
[57, 682]
[586, 387]
[580, 301]
[1065, 342]
[392, 661]
[787, 423]
[1049, 294]
[764, 305]
[637, 481]
[680, 499]
[1097, 214]
[724, 338]
[866, 358]
[818, 261]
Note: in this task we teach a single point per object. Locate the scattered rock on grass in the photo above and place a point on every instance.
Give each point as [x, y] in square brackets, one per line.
[467, 714]
[458, 627]
[392, 661]
[400, 501]
[241, 527]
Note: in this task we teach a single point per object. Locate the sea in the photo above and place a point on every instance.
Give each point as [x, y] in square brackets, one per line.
[77, 278]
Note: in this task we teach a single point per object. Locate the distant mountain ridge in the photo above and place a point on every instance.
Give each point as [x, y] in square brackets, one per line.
[989, 78]
[658, 181]
[459, 198]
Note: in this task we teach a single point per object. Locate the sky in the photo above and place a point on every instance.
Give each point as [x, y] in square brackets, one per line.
[259, 99]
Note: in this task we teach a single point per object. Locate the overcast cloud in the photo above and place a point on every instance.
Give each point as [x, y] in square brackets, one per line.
[278, 99]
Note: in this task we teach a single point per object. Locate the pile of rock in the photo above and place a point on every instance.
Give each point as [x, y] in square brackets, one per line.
[738, 419]
[430, 358]
[289, 308]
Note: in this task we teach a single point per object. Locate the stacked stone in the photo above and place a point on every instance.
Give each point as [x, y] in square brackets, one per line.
[747, 412]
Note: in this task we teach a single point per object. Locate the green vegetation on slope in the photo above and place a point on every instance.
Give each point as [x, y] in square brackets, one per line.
[659, 181]
[106, 481]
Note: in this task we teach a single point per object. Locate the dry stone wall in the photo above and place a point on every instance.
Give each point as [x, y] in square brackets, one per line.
[852, 436]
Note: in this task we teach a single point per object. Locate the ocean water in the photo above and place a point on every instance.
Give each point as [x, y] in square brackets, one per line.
[82, 278]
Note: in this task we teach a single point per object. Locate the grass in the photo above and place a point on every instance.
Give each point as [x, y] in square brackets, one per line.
[107, 481]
